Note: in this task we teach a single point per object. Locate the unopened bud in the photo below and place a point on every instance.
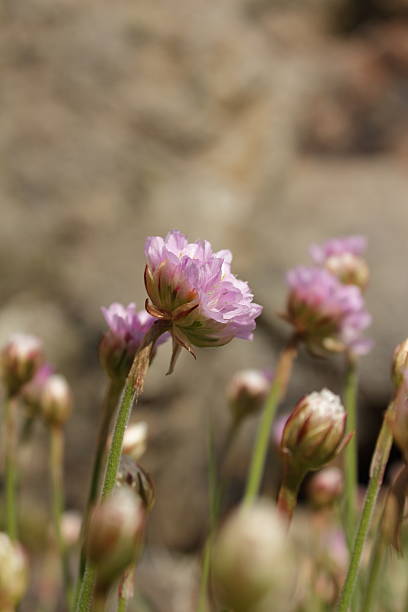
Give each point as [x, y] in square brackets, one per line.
[114, 535]
[32, 391]
[399, 363]
[132, 475]
[315, 432]
[135, 440]
[13, 573]
[56, 400]
[247, 392]
[350, 269]
[19, 360]
[397, 418]
[253, 561]
[325, 487]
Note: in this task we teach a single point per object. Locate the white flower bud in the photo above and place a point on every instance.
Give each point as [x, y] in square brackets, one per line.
[13, 573]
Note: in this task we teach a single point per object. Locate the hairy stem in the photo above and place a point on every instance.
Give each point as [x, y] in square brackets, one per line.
[378, 464]
[350, 455]
[133, 389]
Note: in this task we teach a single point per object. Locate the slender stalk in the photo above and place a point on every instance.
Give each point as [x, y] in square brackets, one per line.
[350, 455]
[377, 557]
[10, 466]
[110, 402]
[57, 492]
[277, 392]
[378, 464]
[288, 493]
[122, 604]
[133, 389]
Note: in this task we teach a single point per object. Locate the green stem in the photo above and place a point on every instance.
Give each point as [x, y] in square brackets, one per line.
[133, 389]
[350, 455]
[378, 464]
[109, 405]
[10, 466]
[277, 392]
[57, 492]
[288, 493]
[122, 604]
[376, 562]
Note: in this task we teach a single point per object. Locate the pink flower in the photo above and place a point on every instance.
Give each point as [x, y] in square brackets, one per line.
[127, 328]
[326, 313]
[343, 258]
[353, 245]
[194, 289]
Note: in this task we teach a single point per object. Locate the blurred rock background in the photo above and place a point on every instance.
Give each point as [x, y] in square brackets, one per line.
[260, 125]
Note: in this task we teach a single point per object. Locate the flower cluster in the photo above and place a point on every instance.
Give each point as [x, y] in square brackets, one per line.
[193, 289]
[343, 258]
[327, 311]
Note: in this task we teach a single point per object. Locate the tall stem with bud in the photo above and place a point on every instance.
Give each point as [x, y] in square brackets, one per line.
[132, 390]
[277, 392]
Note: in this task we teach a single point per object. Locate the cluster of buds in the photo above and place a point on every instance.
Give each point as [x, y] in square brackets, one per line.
[13, 573]
[19, 360]
[314, 433]
[247, 392]
[115, 534]
[253, 561]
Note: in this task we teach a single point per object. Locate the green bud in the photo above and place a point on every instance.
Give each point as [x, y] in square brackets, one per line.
[254, 566]
[314, 433]
[114, 536]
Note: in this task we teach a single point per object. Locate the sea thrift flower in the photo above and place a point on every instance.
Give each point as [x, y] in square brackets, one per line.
[326, 313]
[314, 433]
[13, 573]
[194, 290]
[343, 258]
[19, 360]
[254, 565]
[247, 392]
[127, 328]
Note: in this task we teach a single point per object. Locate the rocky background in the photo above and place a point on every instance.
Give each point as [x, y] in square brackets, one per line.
[257, 124]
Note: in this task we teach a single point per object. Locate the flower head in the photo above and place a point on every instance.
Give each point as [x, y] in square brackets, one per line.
[13, 573]
[315, 432]
[194, 289]
[126, 329]
[343, 258]
[326, 313]
[247, 392]
[31, 393]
